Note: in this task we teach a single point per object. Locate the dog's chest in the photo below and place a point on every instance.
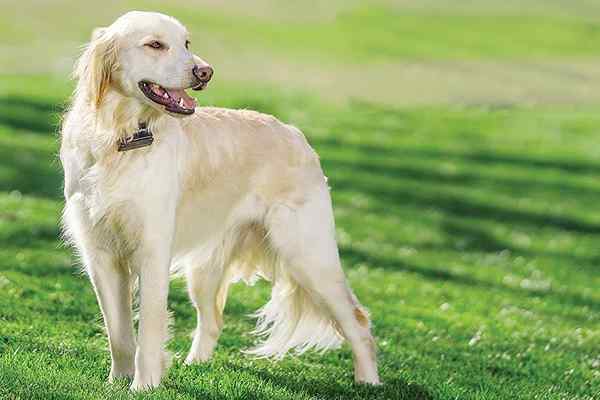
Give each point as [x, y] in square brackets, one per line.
[134, 185]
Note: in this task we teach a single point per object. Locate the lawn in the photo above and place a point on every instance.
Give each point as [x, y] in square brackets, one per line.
[470, 229]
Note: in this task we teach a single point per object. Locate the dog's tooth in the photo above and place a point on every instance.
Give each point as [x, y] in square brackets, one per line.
[181, 103]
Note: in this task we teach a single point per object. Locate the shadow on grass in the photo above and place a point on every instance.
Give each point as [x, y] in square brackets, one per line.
[489, 158]
[37, 172]
[32, 242]
[30, 114]
[38, 270]
[479, 156]
[34, 172]
[450, 204]
[440, 274]
[28, 236]
[472, 238]
[366, 172]
[31, 172]
[395, 388]
[427, 174]
[29, 169]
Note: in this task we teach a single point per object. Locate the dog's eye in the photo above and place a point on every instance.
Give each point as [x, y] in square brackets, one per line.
[155, 44]
[187, 44]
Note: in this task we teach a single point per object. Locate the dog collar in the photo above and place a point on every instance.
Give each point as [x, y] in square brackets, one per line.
[141, 138]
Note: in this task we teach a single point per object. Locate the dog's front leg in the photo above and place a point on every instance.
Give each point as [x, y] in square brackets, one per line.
[113, 290]
[153, 260]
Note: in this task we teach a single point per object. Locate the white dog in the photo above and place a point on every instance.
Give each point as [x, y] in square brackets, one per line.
[155, 185]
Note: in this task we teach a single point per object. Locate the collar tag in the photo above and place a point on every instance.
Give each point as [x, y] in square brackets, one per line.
[141, 138]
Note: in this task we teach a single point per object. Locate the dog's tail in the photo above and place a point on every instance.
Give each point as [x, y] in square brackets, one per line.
[291, 321]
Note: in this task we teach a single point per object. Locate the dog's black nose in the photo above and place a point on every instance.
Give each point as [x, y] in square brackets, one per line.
[203, 73]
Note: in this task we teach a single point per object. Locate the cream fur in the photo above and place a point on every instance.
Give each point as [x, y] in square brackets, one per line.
[221, 195]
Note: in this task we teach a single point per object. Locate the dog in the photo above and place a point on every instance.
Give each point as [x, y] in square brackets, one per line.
[156, 186]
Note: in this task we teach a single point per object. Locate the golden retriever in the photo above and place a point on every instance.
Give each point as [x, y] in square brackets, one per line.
[155, 185]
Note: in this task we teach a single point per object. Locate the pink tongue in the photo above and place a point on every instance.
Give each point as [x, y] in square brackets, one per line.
[189, 102]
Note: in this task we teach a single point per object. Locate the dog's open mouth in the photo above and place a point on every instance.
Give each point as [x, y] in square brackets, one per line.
[174, 100]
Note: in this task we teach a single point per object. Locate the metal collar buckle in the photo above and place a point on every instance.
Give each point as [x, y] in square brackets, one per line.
[141, 138]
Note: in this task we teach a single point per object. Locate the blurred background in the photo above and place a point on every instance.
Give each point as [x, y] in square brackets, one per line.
[399, 52]
[461, 144]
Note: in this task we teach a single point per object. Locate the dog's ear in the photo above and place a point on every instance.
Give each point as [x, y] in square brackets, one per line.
[97, 64]
[97, 32]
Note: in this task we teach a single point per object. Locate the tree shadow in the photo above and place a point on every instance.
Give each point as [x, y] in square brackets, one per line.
[469, 237]
[511, 186]
[449, 203]
[28, 236]
[22, 237]
[363, 174]
[441, 274]
[31, 172]
[481, 156]
[29, 169]
[33, 115]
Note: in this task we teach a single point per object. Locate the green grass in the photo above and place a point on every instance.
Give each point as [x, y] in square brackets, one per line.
[363, 34]
[470, 232]
[378, 34]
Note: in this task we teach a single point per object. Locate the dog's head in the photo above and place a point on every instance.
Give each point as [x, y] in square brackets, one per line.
[145, 56]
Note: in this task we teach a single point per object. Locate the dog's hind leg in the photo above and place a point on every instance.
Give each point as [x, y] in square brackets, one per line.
[304, 239]
[204, 285]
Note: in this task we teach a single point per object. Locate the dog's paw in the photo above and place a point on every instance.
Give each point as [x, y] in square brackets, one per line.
[192, 359]
[196, 357]
[146, 379]
[115, 375]
[202, 350]
[149, 370]
[121, 370]
[369, 379]
[372, 382]
[139, 385]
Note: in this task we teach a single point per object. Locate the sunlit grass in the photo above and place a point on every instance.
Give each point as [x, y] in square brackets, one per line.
[470, 233]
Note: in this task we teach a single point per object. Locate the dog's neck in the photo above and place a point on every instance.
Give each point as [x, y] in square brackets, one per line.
[118, 119]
